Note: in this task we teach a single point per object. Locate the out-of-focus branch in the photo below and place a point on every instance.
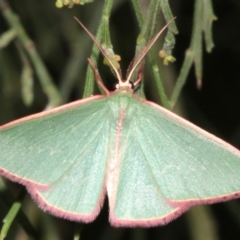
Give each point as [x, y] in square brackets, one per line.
[202, 23]
[47, 82]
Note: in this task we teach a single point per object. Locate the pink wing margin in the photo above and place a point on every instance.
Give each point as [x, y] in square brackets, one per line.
[35, 188]
[179, 207]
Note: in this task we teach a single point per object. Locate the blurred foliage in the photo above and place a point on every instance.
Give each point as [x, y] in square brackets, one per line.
[70, 3]
[43, 54]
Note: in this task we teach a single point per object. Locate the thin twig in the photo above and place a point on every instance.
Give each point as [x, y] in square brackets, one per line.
[202, 22]
[47, 83]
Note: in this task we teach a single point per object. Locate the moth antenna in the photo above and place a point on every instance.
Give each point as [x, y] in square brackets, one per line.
[130, 66]
[98, 44]
[145, 51]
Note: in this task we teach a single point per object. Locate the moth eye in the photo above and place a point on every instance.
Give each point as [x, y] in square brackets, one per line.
[131, 85]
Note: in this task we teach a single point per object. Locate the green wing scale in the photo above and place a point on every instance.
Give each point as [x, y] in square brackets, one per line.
[153, 164]
[168, 165]
[60, 159]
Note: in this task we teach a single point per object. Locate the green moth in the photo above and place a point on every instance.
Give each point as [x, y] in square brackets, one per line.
[151, 164]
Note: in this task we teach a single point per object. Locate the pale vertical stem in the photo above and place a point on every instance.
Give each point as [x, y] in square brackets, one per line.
[89, 84]
[202, 223]
[208, 19]
[202, 23]
[144, 36]
[74, 71]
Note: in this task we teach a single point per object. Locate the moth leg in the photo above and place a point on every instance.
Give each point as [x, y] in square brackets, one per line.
[97, 77]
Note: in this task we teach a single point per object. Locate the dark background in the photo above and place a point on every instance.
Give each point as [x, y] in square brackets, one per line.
[216, 107]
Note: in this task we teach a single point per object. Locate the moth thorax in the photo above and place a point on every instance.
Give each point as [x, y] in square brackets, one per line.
[124, 86]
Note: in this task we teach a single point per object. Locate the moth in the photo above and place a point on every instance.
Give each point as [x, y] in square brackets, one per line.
[151, 164]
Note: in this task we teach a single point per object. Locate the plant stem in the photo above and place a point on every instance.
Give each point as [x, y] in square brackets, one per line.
[202, 22]
[148, 27]
[46, 81]
[89, 84]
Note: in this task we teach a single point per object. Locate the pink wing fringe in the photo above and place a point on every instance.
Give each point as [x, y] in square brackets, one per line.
[181, 206]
